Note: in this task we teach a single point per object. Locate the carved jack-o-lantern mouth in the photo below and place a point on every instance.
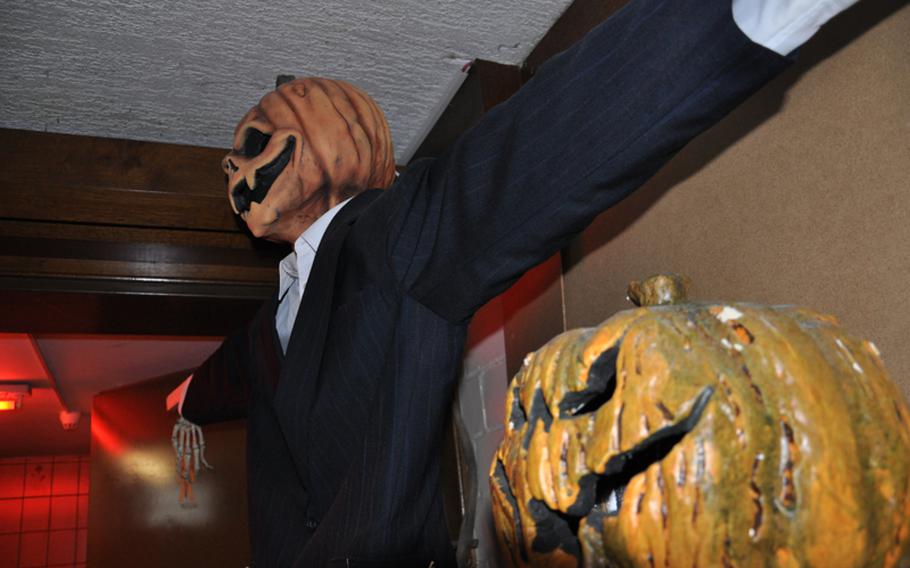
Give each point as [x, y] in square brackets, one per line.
[598, 495]
[305, 147]
[242, 194]
[704, 434]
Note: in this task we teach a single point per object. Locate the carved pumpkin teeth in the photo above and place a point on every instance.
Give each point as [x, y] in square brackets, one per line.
[254, 186]
[266, 175]
[240, 197]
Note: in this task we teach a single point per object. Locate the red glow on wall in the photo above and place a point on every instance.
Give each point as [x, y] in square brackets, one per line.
[44, 511]
[105, 436]
[18, 359]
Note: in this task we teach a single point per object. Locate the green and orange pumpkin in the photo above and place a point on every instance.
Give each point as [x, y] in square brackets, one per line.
[704, 434]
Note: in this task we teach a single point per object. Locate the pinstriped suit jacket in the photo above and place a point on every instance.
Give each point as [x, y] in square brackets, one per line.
[345, 430]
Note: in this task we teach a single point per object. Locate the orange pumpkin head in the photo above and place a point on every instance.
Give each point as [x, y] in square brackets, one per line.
[307, 146]
[704, 434]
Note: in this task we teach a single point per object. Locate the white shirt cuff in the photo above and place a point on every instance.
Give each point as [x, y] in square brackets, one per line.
[784, 25]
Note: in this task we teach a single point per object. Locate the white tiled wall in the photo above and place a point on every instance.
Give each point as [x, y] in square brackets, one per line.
[481, 399]
[43, 511]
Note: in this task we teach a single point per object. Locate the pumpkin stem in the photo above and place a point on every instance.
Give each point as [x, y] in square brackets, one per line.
[659, 290]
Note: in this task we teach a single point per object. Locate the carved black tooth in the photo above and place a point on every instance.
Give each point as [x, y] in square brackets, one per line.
[240, 195]
[600, 389]
[517, 415]
[658, 445]
[267, 174]
[538, 411]
[254, 142]
[623, 467]
[502, 480]
[554, 530]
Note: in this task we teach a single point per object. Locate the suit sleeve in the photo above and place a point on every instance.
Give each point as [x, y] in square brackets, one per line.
[220, 389]
[592, 126]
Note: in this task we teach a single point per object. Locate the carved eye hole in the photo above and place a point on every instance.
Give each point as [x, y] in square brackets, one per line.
[254, 142]
[601, 386]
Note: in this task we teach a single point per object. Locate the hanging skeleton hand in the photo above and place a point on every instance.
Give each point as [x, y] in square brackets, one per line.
[189, 448]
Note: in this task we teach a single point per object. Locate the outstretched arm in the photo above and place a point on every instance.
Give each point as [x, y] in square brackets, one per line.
[592, 126]
[220, 387]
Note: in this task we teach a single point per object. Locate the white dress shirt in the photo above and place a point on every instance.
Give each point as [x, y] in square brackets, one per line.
[779, 25]
[293, 273]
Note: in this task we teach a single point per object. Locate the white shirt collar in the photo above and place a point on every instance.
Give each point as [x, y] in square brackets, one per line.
[296, 266]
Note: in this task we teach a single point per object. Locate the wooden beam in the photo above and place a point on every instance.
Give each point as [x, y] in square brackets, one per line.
[465, 108]
[52, 201]
[235, 239]
[579, 18]
[488, 84]
[119, 236]
[108, 163]
[46, 312]
[51, 379]
[497, 81]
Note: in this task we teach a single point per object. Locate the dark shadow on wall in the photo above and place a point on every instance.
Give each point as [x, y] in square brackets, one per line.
[738, 124]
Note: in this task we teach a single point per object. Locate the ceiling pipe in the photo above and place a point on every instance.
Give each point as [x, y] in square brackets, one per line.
[69, 419]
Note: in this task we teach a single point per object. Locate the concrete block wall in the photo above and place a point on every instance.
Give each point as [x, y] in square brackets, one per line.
[481, 403]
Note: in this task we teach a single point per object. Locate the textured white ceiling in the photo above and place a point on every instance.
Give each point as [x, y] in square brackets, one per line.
[185, 72]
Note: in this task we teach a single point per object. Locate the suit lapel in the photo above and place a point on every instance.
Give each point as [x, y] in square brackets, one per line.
[300, 369]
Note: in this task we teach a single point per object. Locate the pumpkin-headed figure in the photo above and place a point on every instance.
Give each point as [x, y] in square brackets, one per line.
[704, 434]
[307, 146]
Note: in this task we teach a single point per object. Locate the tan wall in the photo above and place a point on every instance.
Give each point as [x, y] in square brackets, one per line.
[801, 196]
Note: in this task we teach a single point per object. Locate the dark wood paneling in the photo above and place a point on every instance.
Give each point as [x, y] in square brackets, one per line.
[68, 268]
[578, 19]
[148, 252]
[465, 108]
[197, 312]
[487, 84]
[119, 236]
[49, 200]
[86, 161]
[497, 82]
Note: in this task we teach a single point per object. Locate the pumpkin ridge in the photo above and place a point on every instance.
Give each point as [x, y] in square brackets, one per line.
[379, 158]
[306, 143]
[332, 95]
